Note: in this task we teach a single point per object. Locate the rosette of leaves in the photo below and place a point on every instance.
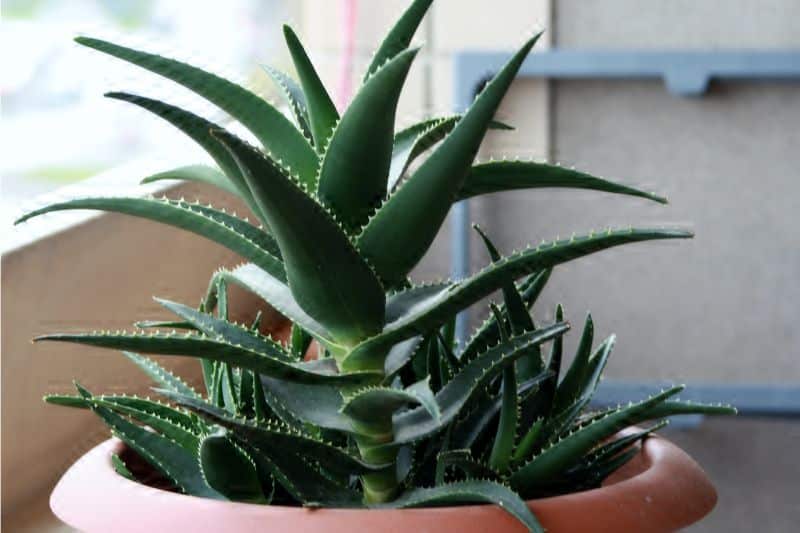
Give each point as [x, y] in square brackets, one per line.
[392, 412]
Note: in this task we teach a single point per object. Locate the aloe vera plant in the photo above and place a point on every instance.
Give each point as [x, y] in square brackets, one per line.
[392, 411]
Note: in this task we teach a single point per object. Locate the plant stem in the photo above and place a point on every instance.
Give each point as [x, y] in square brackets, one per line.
[382, 486]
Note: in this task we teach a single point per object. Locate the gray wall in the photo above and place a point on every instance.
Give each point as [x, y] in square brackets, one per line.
[722, 307]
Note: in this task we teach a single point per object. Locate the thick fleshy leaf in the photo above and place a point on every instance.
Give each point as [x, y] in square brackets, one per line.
[168, 457]
[377, 403]
[278, 295]
[271, 128]
[352, 179]
[559, 456]
[322, 114]
[400, 354]
[467, 430]
[300, 341]
[503, 446]
[227, 331]
[228, 469]
[571, 386]
[399, 37]
[413, 141]
[463, 461]
[192, 345]
[488, 332]
[441, 307]
[269, 435]
[418, 423]
[165, 420]
[519, 319]
[397, 237]
[498, 176]
[163, 377]
[471, 490]
[319, 405]
[294, 97]
[301, 479]
[199, 130]
[224, 229]
[197, 174]
[327, 276]
[121, 468]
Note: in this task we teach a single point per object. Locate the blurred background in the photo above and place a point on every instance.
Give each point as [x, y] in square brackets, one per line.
[718, 312]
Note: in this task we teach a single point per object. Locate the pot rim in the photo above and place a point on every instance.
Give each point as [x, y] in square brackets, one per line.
[661, 489]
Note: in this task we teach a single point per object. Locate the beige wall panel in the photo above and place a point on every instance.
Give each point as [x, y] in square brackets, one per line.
[99, 275]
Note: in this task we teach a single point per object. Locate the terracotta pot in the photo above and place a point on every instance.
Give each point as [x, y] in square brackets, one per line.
[662, 489]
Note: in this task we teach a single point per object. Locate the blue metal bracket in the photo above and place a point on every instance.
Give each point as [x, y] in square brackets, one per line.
[685, 73]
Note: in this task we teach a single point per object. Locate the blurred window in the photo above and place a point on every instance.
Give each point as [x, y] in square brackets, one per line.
[56, 127]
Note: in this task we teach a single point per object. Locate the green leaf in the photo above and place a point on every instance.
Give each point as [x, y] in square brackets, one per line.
[413, 141]
[498, 176]
[327, 276]
[322, 114]
[227, 331]
[397, 237]
[301, 479]
[228, 469]
[173, 424]
[399, 37]
[199, 130]
[528, 441]
[278, 295]
[617, 445]
[400, 354]
[229, 395]
[246, 393]
[267, 436]
[300, 341]
[682, 407]
[488, 333]
[352, 179]
[214, 225]
[571, 387]
[192, 345]
[439, 308]
[168, 457]
[463, 460]
[562, 454]
[261, 409]
[319, 405]
[519, 318]
[500, 456]
[169, 422]
[468, 429]
[197, 174]
[163, 377]
[121, 468]
[378, 403]
[294, 97]
[418, 423]
[271, 128]
[480, 491]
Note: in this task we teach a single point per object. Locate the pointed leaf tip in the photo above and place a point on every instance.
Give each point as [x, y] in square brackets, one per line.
[404, 227]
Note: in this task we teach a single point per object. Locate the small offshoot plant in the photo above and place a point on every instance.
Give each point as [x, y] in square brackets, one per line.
[392, 412]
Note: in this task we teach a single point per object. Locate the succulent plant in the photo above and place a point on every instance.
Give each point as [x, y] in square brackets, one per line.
[392, 411]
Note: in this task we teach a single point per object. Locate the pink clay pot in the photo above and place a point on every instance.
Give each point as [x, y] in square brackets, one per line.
[661, 489]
